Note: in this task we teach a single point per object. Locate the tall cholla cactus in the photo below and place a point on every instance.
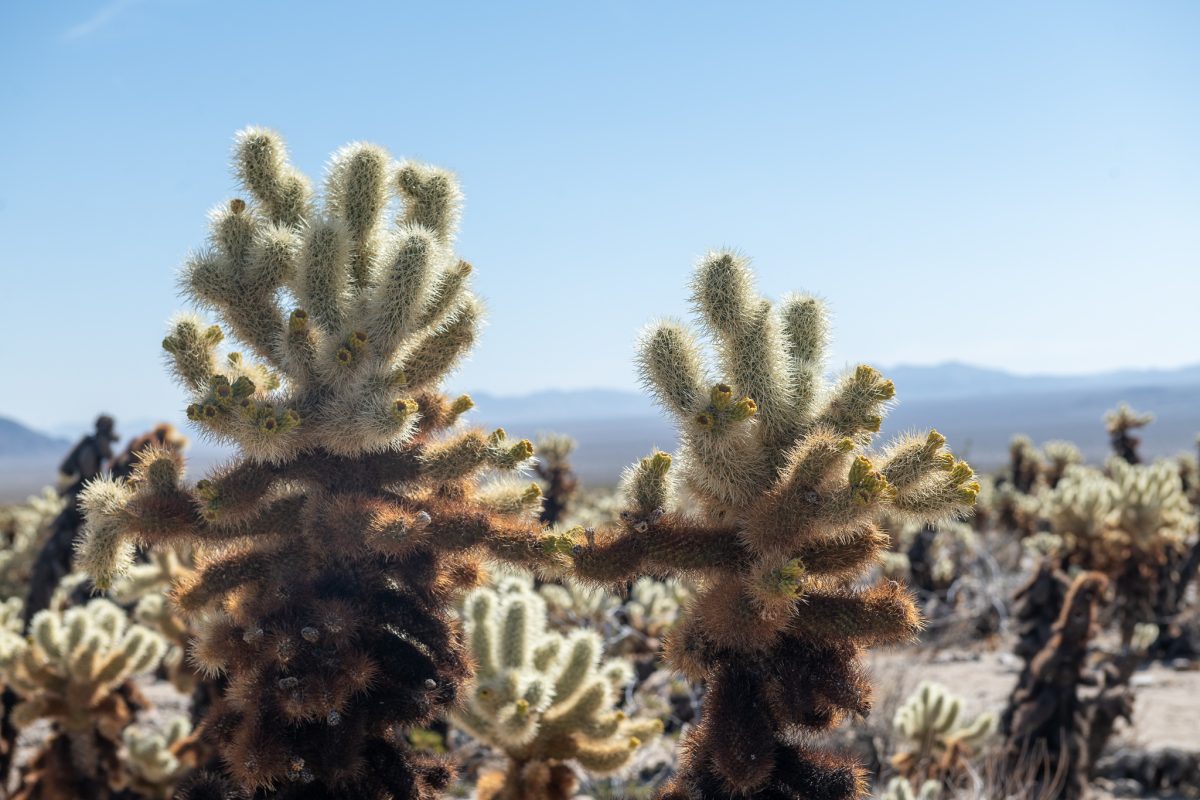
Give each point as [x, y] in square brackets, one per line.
[543, 698]
[938, 741]
[774, 512]
[1048, 720]
[1119, 422]
[72, 669]
[335, 542]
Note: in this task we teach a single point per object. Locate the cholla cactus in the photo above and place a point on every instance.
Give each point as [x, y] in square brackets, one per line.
[334, 544]
[147, 587]
[772, 503]
[1152, 522]
[938, 742]
[1080, 511]
[72, 668]
[1024, 464]
[1059, 455]
[901, 789]
[1119, 422]
[572, 604]
[554, 468]
[23, 529]
[1048, 719]
[654, 606]
[156, 762]
[545, 699]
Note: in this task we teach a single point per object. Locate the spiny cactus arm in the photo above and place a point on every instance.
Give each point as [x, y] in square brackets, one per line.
[510, 497]
[882, 614]
[446, 293]
[467, 454]
[748, 337]
[440, 350]
[432, 197]
[806, 336]
[356, 192]
[669, 361]
[261, 164]
[192, 347]
[806, 501]
[945, 494]
[218, 575]
[674, 545]
[857, 403]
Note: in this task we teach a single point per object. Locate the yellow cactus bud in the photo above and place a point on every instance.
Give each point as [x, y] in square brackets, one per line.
[344, 356]
[357, 341]
[743, 409]
[497, 436]
[461, 405]
[935, 440]
[522, 450]
[404, 408]
[721, 395]
[298, 321]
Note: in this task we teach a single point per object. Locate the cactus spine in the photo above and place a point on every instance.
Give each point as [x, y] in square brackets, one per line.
[770, 502]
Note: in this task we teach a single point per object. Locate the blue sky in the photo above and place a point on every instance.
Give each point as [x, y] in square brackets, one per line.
[1010, 184]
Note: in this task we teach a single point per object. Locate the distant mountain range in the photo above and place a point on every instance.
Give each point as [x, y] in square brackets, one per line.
[978, 409]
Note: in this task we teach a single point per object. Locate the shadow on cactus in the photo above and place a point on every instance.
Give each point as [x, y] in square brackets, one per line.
[335, 541]
[771, 501]
[546, 700]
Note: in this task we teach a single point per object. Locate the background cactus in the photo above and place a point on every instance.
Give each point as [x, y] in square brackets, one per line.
[938, 741]
[53, 562]
[553, 466]
[1119, 422]
[155, 762]
[772, 503]
[546, 700]
[23, 530]
[334, 543]
[1048, 719]
[73, 668]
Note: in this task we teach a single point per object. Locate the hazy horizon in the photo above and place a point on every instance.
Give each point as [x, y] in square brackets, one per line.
[1013, 187]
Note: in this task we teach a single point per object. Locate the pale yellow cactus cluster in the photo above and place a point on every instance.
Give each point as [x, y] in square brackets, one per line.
[23, 528]
[1136, 506]
[570, 604]
[153, 760]
[901, 789]
[543, 698]
[654, 606]
[147, 588]
[1151, 509]
[937, 738]
[70, 664]
[1080, 508]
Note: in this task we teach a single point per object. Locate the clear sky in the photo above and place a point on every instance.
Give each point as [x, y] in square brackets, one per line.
[1009, 184]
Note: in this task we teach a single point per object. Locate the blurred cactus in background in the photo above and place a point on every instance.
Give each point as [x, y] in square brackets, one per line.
[1047, 718]
[157, 761]
[553, 466]
[74, 668]
[1059, 455]
[333, 545]
[1024, 464]
[85, 462]
[544, 699]
[938, 742]
[1119, 422]
[771, 502]
[23, 530]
